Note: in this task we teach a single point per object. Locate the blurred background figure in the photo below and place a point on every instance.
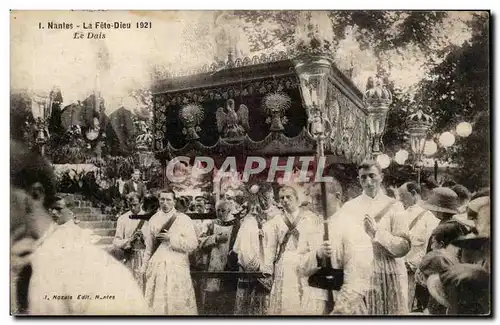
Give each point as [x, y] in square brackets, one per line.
[49, 265]
[437, 261]
[476, 246]
[464, 289]
[135, 184]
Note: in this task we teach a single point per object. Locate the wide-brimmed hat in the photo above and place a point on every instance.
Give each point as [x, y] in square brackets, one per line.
[441, 199]
[471, 241]
[436, 289]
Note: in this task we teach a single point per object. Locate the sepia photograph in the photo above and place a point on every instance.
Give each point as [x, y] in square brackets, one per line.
[250, 163]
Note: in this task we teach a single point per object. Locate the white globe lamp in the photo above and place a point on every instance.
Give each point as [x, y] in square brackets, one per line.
[447, 139]
[464, 129]
[430, 148]
[383, 160]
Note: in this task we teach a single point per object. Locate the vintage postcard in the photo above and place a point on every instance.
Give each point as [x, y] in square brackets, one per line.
[250, 163]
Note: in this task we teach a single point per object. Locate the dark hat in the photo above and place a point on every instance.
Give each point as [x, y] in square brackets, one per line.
[471, 241]
[441, 199]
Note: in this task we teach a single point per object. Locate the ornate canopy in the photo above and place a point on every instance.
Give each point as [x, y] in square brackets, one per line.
[254, 107]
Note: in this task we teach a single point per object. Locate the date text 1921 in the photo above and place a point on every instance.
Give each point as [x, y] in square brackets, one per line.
[144, 24]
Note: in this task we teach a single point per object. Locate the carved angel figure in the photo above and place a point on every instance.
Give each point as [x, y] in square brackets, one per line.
[232, 124]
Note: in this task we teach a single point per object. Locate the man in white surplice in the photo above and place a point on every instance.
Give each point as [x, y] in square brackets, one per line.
[349, 249]
[382, 219]
[172, 237]
[282, 235]
[421, 225]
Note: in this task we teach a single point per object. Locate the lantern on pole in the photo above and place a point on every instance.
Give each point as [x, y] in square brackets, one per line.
[377, 99]
[418, 124]
[313, 72]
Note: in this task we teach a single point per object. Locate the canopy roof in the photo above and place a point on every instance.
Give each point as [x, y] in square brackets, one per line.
[188, 122]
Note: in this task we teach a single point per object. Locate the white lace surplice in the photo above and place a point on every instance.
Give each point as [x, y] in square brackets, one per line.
[250, 298]
[353, 253]
[169, 289]
[389, 288]
[286, 292]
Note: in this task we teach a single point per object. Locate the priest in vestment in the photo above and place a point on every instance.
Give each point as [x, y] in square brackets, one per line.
[218, 294]
[171, 238]
[282, 235]
[385, 223]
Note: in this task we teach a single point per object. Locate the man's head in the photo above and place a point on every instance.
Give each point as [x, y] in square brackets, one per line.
[267, 199]
[167, 200]
[224, 209]
[409, 194]
[370, 177]
[61, 211]
[463, 194]
[333, 198]
[33, 185]
[445, 234]
[134, 202]
[136, 175]
[290, 198]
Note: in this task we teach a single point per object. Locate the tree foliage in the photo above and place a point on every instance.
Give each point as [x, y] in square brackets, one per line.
[380, 30]
[456, 86]
[458, 90]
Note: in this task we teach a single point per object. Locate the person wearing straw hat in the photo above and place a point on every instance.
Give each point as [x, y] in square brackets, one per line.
[464, 289]
[443, 203]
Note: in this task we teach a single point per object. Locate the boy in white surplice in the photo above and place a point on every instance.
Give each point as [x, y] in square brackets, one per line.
[219, 293]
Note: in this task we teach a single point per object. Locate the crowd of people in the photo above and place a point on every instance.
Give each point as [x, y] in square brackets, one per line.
[373, 255]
